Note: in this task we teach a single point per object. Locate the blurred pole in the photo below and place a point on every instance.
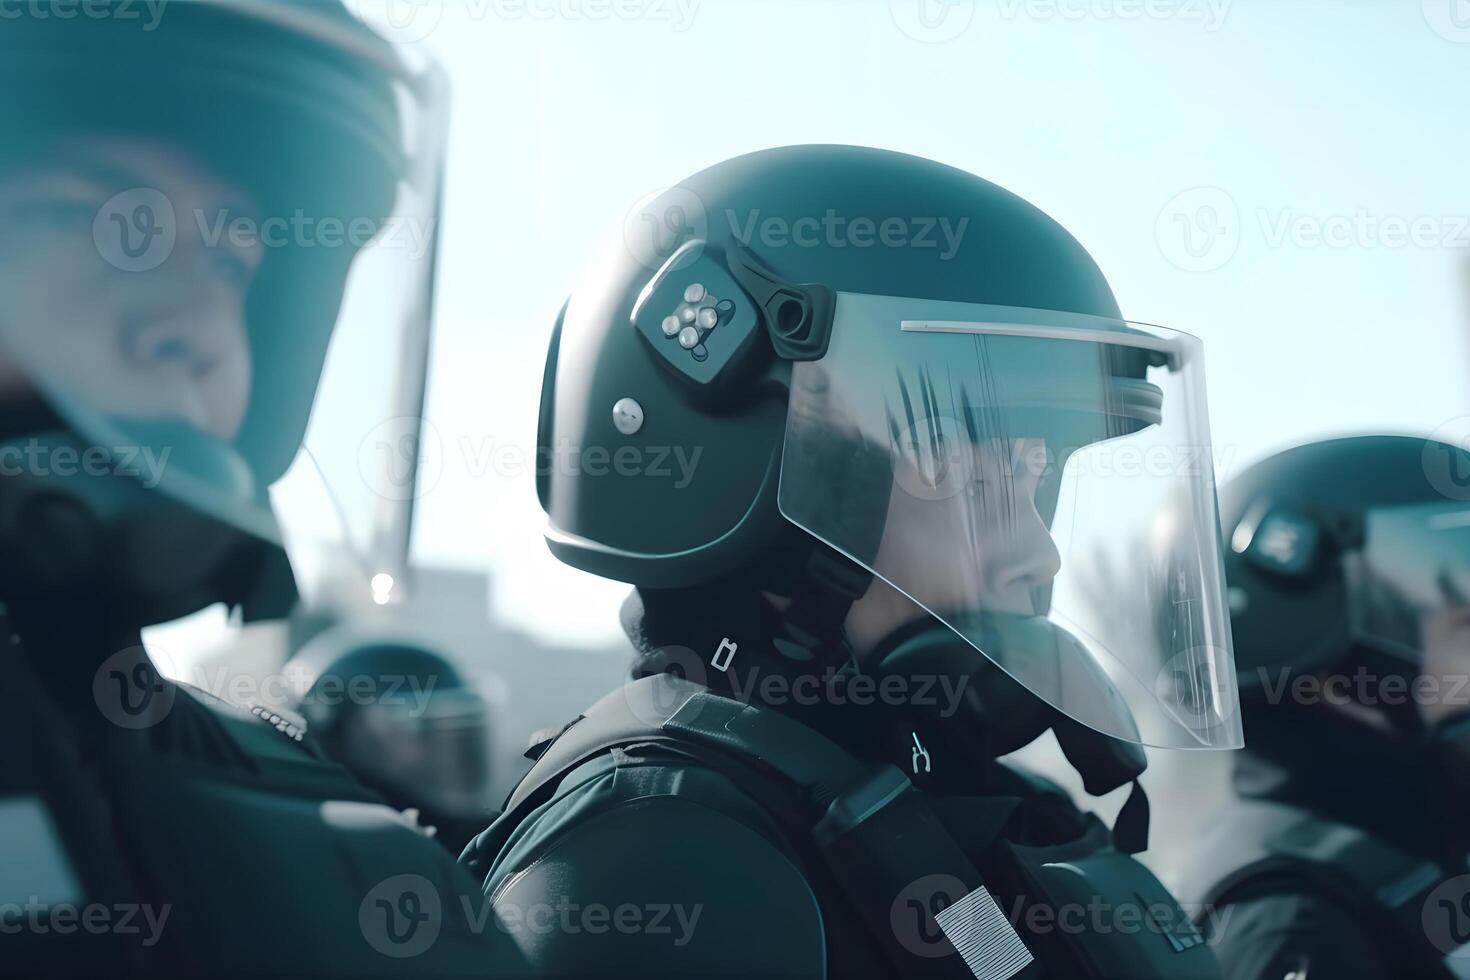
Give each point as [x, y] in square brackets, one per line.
[393, 528]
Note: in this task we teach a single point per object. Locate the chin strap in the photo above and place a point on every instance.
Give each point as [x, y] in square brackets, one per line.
[1130, 829]
[1106, 763]
[820, 602]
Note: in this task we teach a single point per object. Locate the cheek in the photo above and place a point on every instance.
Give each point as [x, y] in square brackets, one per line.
[229, 388]
[65, 327]
[28, 253]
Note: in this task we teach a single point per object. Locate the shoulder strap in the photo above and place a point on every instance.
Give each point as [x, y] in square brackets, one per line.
[665, 705]
[876, 835]
[1260, 841]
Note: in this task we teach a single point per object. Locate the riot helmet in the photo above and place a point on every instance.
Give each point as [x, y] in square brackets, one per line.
[401, 717]
[890, 371]
[217, 248]
[1349, 552]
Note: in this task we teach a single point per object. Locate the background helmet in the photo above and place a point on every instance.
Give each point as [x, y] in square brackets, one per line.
[402, 719]
[1344, 548]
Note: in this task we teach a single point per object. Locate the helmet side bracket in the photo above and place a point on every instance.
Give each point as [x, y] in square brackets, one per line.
[797, 316]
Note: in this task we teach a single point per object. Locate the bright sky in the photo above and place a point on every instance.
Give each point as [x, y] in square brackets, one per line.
[1285, 180]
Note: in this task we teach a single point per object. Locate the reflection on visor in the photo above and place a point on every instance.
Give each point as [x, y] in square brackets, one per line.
[999, 466]
[1411, 576]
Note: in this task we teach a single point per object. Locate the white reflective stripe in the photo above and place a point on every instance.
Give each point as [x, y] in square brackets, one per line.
[1115, 337]
[977, 928]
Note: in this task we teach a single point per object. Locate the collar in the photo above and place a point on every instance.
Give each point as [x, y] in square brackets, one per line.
[731, 639]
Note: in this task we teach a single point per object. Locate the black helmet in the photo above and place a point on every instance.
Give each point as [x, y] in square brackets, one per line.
[400, 716]
[1344, 547]
[334, 139]
[643, 530]
[811, 365]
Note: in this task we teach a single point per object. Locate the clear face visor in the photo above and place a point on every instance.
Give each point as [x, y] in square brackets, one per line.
[233, 310]
[1040, 482]
[1408, 583]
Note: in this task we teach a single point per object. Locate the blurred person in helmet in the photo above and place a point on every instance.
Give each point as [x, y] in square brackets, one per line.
[197, 256]
[405, 721]
[1343, 851]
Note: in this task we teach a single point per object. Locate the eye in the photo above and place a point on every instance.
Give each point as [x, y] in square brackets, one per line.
[228, 268]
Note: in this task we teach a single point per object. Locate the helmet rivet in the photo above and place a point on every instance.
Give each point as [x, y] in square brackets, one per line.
[627, 416]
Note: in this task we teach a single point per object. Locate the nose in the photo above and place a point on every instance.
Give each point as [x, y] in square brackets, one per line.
[1028, 557]
[182, 323]
[175, 341]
